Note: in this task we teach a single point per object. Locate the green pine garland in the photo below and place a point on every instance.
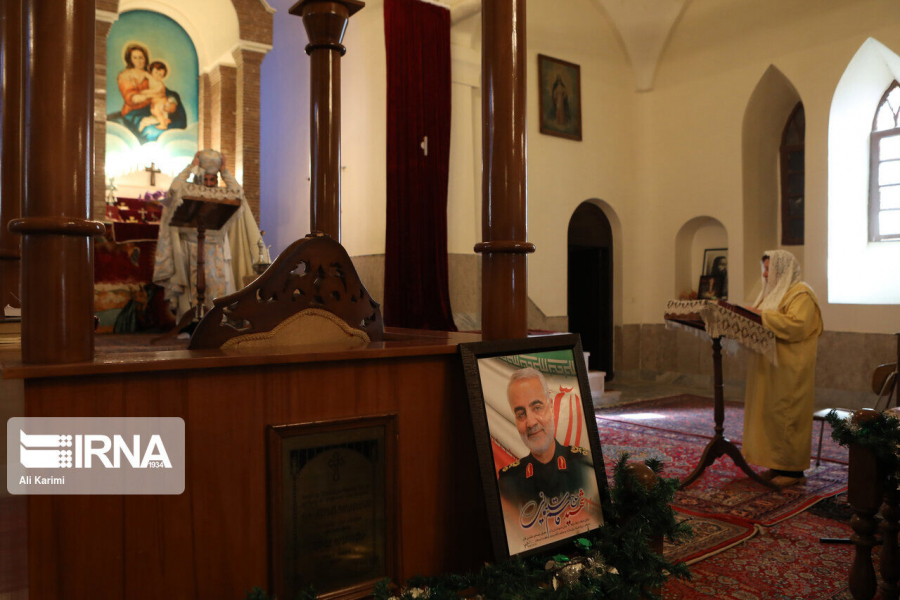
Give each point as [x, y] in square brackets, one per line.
[880, 435]
[634, 515]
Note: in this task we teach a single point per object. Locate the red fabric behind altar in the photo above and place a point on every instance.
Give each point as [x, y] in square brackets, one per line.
[125, 298]
[416, 281]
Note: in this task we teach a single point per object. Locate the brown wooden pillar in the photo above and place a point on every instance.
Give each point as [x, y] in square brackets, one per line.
[505, 179]
[11, 58]
[865, 493]
[325, 22]
[57, 265]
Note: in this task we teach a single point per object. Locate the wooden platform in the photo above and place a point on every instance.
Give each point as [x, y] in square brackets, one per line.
[211, 541]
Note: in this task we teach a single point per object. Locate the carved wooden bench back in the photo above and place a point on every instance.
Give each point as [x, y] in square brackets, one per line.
[314, 272]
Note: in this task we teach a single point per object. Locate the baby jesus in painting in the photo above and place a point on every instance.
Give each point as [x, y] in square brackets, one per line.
[160, 104]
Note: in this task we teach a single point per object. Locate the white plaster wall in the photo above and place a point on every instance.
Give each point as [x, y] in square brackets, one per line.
[564, 173]
[364, 133]
[693, 117]
[691, 242]
[852, 258]
[364, 139]
[657, 159]
[768, 109]
[284, 132]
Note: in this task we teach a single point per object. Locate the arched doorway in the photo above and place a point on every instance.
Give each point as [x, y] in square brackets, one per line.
[590, 284]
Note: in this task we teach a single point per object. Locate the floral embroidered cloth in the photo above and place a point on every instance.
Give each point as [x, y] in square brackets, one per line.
[228, 253]
[720, 321]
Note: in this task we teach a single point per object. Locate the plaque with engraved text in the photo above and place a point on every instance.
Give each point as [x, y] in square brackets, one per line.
[333, 512]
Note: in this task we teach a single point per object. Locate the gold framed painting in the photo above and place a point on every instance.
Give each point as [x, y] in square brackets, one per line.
[560, 97]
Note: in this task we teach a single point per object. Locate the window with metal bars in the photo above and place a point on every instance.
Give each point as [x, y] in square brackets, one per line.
[884, 169]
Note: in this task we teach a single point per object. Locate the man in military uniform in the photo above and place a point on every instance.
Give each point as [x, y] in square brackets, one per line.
[550, 467]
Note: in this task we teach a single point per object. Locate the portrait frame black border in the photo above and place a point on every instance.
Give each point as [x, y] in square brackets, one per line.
[706, 253]
[470, 354]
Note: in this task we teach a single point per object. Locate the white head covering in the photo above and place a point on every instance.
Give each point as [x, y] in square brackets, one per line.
[784, 273]
[210, 162]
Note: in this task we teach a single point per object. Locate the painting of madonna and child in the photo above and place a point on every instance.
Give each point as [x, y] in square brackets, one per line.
[152, 92]
[543, 445]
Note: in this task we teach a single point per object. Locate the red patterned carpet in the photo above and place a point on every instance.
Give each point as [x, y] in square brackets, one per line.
[784, 562]
[749, 542]
[694, 414]
[711, 536]
[723, 489]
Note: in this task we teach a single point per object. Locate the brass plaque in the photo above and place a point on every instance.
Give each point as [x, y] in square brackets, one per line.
[334, 518]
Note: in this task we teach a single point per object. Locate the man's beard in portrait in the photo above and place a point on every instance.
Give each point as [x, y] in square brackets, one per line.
[538, 446]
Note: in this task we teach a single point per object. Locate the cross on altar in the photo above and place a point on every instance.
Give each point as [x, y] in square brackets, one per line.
[153, 170]
[143, 213]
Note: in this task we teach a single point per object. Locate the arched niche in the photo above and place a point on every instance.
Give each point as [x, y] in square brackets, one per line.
[694, 237]
[767, 111]
[594, 268]
[851, 257]
[231, 37]
[212, 24]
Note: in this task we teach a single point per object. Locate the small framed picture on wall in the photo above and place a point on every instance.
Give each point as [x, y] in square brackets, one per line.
[560, 97]
[715, 264]
[710, 288]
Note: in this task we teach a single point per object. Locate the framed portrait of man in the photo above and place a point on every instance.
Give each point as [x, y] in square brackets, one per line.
[538, 445]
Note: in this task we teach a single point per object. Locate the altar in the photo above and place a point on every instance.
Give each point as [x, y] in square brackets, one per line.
[125, 298]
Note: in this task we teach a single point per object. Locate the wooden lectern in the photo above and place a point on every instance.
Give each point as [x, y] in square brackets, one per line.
[202, 214]
[719, 445]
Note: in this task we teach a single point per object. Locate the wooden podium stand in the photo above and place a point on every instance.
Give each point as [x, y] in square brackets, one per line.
[202, 214]
[719, 445]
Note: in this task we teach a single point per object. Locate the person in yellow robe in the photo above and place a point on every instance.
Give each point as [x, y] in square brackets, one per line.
[778, 411]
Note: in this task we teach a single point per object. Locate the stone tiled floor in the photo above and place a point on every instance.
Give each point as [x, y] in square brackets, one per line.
[633, 390]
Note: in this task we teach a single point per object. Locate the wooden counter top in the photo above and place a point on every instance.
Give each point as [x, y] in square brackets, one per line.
[398, 343]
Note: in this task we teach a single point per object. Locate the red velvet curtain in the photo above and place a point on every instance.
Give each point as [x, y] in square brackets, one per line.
[416, 283]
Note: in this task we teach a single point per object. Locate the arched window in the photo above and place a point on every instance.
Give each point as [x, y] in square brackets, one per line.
[793, 177]
[884, 170]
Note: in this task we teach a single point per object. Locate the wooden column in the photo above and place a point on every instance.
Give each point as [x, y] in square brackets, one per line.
[325, 22]
[865, 494]
[890, 557]
[57, 266]
[11, 57]
[505, 178]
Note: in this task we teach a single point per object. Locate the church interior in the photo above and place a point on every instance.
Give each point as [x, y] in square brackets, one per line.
[392, 179]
